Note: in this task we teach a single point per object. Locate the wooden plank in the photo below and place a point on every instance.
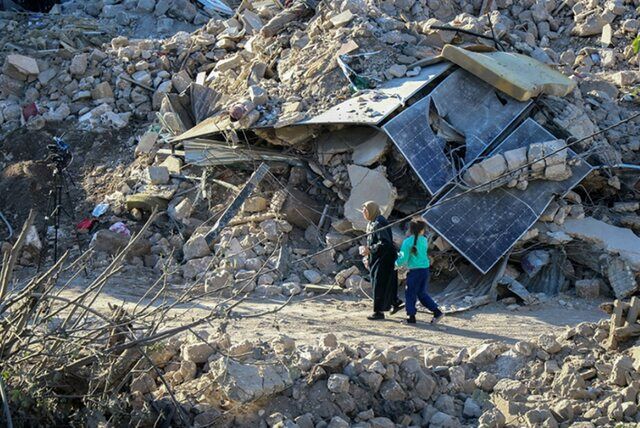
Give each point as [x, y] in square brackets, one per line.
[616, 321]
[323, 289]
[624, 333]
[634, 310]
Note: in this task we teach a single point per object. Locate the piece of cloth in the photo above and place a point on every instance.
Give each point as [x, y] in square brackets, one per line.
[382, 256]
[419, 260]
[417, 283]
[373, 209]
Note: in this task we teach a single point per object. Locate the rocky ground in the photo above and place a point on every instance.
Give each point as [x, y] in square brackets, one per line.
[266, 325]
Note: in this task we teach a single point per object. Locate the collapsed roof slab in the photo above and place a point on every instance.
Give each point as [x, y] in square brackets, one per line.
[484, 226]
[614, 240]
[471, 107]
[371, 107]
[368, 107]
[517, 75]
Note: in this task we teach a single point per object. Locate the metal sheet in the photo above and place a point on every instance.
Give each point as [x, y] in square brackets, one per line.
[470, 289]
[484, 226]
[373, 106]
[204, 102]
[468, 105]
[210, 153]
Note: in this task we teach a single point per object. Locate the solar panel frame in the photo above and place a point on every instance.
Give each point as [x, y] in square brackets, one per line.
[454, 98]
[483, 227]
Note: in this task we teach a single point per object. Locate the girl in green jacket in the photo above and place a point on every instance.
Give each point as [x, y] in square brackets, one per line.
[413, 255]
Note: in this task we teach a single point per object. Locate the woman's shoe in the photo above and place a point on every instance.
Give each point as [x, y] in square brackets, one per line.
[376, 316]
[397, 307]
[411, 319]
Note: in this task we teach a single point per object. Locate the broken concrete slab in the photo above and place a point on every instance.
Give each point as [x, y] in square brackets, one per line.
[341, 141]
[368, 185]
[113, 242]
[158, 174]
[612, 239]
[147, 144]
[300, 210]
[517, 75]
[372, 150]
[22, 64]
[245, 383]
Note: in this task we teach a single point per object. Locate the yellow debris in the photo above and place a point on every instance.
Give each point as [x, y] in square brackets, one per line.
[517, 75]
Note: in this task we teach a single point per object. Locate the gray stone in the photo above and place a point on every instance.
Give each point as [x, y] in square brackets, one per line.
[338, 383]
[143, 384]
[146, 5]
[312, 276]
[443, 420]
[445, 404]
[196, 247]
[381, 422]
[79, 64]
[258, 95]
[471, 408]
[158, 174]
[197, 352]
[392, 391]
[244, 383]
[112, 242]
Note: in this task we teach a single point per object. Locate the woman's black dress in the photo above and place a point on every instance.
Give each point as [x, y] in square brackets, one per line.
[382, 258]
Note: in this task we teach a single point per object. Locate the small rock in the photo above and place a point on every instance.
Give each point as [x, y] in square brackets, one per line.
[196, 247]
[338, 383]
[158, 174]
[471, 408]
[312, 276]
[255, 204]
[397, 70]
[143, 384]
[198, 352]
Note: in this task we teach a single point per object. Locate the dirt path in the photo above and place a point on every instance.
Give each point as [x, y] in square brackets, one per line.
[307, 319]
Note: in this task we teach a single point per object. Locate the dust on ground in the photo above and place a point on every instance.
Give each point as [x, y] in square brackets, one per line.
[306, 319]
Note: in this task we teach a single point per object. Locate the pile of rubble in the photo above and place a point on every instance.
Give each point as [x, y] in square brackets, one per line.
[247, 78]
[576, 379]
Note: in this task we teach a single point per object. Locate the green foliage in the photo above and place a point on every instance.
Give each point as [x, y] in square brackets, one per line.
[636, 45]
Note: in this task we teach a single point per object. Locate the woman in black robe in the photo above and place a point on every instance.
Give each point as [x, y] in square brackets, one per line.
[381, 253]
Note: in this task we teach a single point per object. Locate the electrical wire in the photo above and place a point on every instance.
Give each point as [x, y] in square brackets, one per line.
[465, 192]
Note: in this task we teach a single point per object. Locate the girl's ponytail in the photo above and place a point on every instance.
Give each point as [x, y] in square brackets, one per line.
[417, 227]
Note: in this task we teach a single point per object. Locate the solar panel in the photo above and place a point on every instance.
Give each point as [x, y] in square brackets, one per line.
[473, 108]
[424, 151]
[484, 226]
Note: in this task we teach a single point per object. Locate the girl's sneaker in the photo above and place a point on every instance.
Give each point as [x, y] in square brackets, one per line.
[411, 319]
[437, 318]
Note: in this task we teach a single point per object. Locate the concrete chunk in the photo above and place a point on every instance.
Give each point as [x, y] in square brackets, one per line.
[614, 240]
[371, 151]
[102, 90]
[158, 174]
[230, 63]
[23, 64]
[368, 184]
[342, 19]
[517, 75]
[146, 145]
